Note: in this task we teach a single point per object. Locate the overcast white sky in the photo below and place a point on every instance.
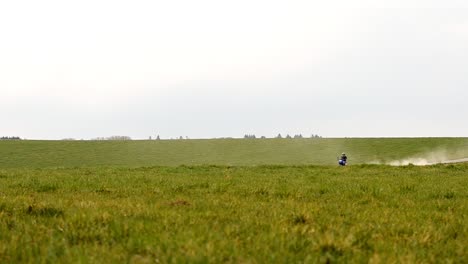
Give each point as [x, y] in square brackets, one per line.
[202, 69]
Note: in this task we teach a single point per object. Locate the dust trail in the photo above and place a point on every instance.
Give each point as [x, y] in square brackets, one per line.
[455, 161]
[431, 158]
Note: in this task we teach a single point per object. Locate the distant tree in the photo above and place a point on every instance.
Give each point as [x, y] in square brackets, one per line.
[157, 138]
[288, 136]
[279, 136]
[119, 138]
[181, 137]
[10, 138]
[150, 138]
[262, 137]
[298, 136]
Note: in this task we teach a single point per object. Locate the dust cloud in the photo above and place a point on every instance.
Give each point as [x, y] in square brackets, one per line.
[427, 159]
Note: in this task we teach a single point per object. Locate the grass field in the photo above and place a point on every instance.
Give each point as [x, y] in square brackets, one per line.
[239, 152]
[262, 214]
[257, 201]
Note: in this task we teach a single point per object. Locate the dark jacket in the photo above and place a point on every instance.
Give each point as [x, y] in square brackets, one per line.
[344, 158]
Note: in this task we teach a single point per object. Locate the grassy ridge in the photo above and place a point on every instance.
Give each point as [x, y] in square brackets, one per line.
[36, 154]
[265, 214]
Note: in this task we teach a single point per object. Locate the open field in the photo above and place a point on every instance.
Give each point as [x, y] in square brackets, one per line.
[243, 152]
[264, 214]
[260, 201]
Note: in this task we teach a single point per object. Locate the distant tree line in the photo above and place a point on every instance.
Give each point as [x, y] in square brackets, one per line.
[113, 138]
[246, 136]
[176, 138]
[252, 136]
[10, 138]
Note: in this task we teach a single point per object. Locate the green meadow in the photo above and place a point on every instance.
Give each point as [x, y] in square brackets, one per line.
[232, 152]
[256, 201]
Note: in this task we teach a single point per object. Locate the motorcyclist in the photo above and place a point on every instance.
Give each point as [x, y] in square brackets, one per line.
[343, 159]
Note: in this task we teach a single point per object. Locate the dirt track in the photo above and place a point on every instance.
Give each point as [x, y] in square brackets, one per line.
[454, 161]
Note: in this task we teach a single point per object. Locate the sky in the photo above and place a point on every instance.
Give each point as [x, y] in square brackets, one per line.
[214, 68]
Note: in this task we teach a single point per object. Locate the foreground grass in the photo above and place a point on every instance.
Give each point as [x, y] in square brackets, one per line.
[266, 214]
[234, 152]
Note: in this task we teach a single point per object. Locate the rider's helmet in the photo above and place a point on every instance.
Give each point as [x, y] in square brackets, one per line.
[343, 153]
